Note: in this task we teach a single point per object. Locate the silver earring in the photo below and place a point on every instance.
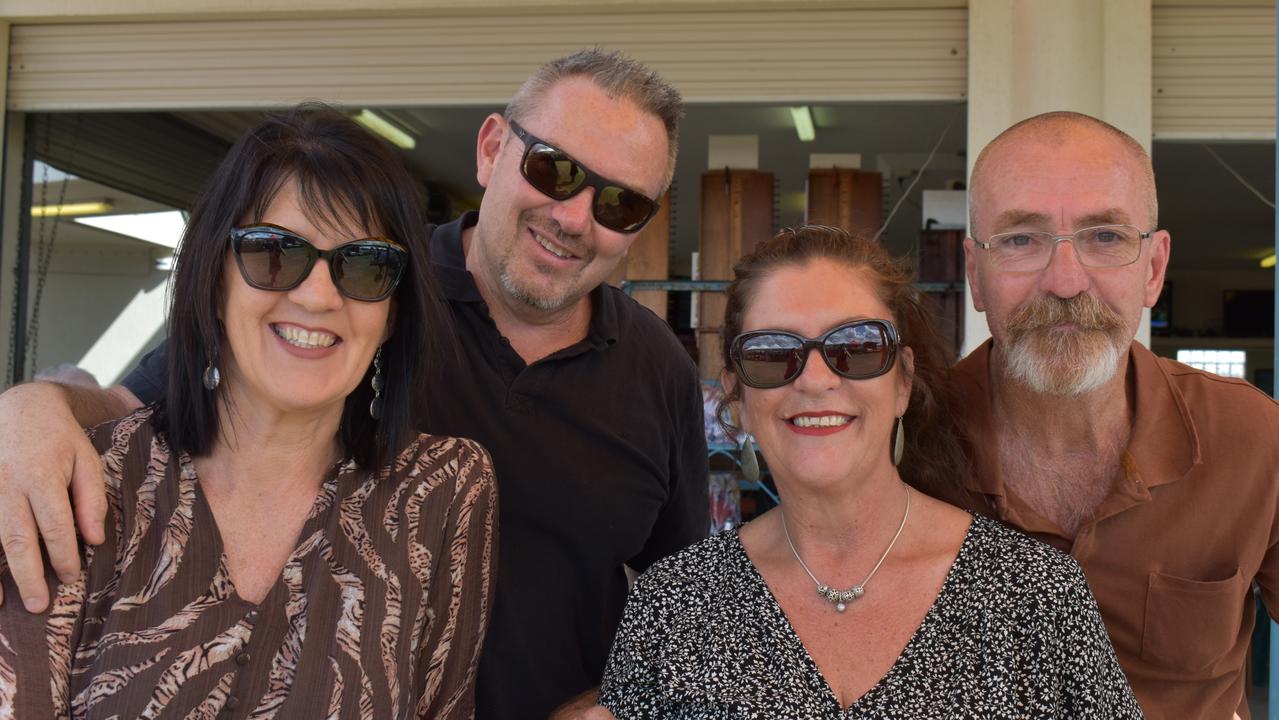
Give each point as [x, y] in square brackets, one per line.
[749, 463]
[211, 375]
[379, 383]
[899, 444]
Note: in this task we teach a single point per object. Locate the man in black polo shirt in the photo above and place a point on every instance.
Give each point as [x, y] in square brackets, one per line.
[587, 403]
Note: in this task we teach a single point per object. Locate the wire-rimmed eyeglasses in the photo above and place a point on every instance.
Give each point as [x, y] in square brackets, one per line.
[1100, 246]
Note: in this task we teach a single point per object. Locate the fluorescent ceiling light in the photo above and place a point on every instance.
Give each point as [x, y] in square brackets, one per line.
[70, 209]
[1268, 261]
[803, 118]
[161, 228]
[380, 125]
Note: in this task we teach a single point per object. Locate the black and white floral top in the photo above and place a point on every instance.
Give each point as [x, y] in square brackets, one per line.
[1014, 633]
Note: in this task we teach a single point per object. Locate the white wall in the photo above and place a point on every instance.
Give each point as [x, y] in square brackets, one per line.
[103, 306]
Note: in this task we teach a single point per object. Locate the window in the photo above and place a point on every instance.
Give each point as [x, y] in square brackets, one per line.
[1226, 363]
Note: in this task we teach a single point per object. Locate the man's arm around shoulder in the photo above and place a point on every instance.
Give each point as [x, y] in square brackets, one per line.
[43, 452]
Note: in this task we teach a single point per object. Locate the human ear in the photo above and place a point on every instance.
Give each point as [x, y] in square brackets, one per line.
[1160, 252]
[970, 269]
[906, 360]
[488, 145]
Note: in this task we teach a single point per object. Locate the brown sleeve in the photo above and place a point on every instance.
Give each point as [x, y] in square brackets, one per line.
[461, 594]
[36, 649]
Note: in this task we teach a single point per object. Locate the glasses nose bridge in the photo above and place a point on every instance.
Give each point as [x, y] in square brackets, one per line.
[807, 349]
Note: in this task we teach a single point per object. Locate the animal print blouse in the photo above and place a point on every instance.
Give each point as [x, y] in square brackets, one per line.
[379, 612]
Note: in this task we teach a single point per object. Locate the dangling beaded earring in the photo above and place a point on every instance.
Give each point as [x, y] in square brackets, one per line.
[378, 383]
[749, 463]
[899, 443]
[211, 375]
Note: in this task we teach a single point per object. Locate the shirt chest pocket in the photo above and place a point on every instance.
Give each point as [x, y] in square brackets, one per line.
[1190, 624]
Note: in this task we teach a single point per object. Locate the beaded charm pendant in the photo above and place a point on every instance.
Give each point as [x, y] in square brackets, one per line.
[840, 598]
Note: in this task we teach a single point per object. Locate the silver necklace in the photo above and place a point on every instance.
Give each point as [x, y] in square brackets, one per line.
[841, 598]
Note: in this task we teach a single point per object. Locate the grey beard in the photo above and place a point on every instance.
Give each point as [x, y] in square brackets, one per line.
[546, 304]
[1082, 374]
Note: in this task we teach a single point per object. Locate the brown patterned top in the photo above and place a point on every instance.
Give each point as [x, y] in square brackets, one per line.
[379, 612]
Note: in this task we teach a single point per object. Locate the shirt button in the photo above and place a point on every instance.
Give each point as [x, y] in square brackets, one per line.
[242, 659]
[251, 616]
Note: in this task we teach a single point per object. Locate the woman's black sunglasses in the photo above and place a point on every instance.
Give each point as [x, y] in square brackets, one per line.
[857, 350]
[555, 174]
[274, 258]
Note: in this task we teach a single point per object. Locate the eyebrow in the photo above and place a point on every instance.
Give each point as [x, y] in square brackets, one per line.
[1013, 218]
[1110, 216]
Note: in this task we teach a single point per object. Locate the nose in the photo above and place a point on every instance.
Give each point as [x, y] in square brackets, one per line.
[816, 375]
[574, 214]
[1065, 276]
[317, 293]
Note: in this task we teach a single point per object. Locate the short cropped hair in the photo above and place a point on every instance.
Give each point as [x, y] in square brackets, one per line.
[342, 173]
[619, 76]
[1057, 126]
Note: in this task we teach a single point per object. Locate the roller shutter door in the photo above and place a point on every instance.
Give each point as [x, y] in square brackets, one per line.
[752, 55]
[1213, 72]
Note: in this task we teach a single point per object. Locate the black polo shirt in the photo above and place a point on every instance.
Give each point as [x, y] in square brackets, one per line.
[600, 459]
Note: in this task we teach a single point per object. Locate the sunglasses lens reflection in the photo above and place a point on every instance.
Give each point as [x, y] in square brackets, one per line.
[857, 351]
[771, 360]
[621, 209]
[273, 261]
[367, 271]
[552, 172]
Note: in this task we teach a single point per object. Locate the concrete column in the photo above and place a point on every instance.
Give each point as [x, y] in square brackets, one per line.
[1026, 57]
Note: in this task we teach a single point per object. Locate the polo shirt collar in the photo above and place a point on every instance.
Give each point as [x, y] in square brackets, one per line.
[449, 261]
[457, 284]
[1164, 444]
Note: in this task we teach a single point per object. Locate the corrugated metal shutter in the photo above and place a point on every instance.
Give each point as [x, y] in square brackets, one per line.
[757, 55]
[1214, 72]
[133, 152]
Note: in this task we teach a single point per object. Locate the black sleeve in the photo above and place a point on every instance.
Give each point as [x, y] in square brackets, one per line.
[148, 379]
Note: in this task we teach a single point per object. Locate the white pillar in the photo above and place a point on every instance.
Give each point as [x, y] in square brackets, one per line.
[1027, 57]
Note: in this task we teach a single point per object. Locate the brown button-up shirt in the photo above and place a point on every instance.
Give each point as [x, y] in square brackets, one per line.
[1173, 551]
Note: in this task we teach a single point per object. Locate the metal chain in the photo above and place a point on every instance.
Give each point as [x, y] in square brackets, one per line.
[45, 258]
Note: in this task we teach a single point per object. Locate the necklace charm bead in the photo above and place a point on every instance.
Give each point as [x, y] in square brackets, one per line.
[841, 598]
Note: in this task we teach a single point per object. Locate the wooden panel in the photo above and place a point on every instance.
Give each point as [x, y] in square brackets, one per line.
[848, 199]
[940, 259]
[940, 256]
[1213, 72]
[438, 59]
[649, 259]
[737, 214]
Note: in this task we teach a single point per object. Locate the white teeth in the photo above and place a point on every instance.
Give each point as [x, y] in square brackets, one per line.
[547, 244]
[305, 339]
[808, 421]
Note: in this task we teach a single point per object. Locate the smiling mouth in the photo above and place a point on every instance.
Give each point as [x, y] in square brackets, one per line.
[551, 247]
[820, 421]
[305, 339]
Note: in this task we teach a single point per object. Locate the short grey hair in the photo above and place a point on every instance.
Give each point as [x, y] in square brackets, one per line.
[617, 75]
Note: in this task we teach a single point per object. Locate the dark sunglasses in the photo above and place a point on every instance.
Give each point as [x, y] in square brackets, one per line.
[555, 174]
[857, 350]
[275, 258]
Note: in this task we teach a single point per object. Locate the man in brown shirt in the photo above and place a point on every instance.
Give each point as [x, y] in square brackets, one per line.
[1162, 481]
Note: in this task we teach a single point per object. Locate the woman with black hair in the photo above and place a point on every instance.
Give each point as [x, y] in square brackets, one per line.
[279, 542]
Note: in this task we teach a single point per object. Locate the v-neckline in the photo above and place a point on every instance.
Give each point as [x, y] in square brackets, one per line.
[324, 499]
[792, 636]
